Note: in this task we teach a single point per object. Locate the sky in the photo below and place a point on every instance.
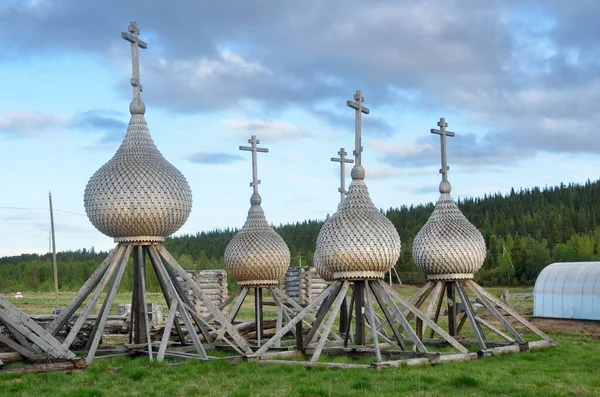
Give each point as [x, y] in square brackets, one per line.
[517, 81]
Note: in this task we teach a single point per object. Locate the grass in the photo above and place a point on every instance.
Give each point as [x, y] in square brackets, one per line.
[569, 369]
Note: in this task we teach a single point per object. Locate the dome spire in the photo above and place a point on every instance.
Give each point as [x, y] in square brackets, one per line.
[342, 160]
[255, 199]
[445, 186]
[136, 106]
[359, 109]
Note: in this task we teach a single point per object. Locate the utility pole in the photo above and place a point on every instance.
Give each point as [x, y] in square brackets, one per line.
[54, 266]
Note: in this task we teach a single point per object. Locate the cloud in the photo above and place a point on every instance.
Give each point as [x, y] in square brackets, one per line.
[526, 72]
[213, 158]
[27, 123]
[426, 190]
[110, 123]
[269, 130]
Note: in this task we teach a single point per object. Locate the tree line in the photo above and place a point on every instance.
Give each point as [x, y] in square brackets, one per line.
[524, 230]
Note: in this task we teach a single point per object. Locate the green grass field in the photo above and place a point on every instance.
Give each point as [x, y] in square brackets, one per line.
[569, 369]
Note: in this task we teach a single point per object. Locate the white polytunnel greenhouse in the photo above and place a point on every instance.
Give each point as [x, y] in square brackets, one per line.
[569, 290]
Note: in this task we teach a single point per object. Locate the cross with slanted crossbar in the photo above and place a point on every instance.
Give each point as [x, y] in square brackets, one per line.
[132, 37]
[342, 160]
[357, 105]
[254, 150]
[443, 134]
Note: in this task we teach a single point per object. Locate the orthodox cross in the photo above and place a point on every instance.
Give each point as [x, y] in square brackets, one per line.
[443, 134]
[254, 150]
[132, 37]
[342, 160]
[357, 105]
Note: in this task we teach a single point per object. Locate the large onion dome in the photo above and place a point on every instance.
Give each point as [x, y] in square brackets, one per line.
[138, 195]
[257, 255]
[358, 241]
[448, 246]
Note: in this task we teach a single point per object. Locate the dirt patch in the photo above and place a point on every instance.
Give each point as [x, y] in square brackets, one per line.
[590, 329]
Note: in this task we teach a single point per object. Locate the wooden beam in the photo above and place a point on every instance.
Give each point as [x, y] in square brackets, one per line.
[471, 315]
[329, 324]
[106, 276]
[492, 309]
[397, 333]
[239, 339]
[142, 269]
[99, 326]
[371, 316]
[83, 292]
[32, 330]
[427, 321]
[510, 311]
[183, 313]
[298, 318]
[167, 331]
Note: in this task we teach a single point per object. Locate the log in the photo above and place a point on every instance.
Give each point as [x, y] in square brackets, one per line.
[11, 357]
[314, 364]
[46, 367]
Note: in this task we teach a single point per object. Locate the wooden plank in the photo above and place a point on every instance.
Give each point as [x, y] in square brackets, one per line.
[99, 326]
[83, 292]
[239, 339]
[167, 331]
[511, 312]
[83, 316]
[24, 350]
[329, 324]
[359, 317]
[427, 321]
[471, 315]
[298, 318]
[492, 309]
[33, 331]
[371, 317]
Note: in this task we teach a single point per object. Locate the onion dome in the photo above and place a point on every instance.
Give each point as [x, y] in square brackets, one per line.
[137, 195]
[448, 246]
[256, 256]
[358, 241]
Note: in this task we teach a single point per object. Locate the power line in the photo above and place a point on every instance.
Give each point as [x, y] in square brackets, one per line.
[40, 209]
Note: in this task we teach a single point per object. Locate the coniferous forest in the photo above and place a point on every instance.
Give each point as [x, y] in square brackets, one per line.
[524, 231]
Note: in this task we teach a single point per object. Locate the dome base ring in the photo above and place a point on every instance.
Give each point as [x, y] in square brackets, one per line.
[450, 276]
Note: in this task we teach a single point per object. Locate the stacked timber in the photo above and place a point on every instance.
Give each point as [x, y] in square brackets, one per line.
[303, 284]
[214, 285]
[318, 285]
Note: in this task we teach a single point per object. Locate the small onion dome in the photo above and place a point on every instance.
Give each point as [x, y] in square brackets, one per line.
[358, 241]
[448, 246]
[256, 256]
[138, 195]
